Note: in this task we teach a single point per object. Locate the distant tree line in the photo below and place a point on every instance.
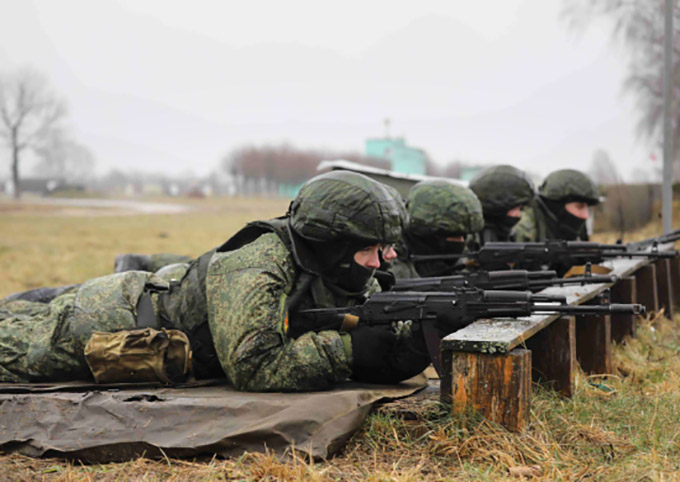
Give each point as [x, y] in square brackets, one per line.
[261, 169]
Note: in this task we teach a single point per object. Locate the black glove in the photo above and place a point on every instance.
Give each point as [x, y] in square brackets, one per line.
[371, 345]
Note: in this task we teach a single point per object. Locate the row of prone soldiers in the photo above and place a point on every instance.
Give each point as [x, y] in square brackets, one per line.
[241, 306]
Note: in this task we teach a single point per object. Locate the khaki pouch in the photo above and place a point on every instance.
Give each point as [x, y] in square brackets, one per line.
[144, 355]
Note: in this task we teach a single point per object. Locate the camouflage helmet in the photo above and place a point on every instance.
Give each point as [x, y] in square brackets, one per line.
[341, 205]
[567, 185]
[401, 203]
[441, 207]
[501, 188]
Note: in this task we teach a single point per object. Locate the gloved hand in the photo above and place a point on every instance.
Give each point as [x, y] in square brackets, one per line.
[371, 344]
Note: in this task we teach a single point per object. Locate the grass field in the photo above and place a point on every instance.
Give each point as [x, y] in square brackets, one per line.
[620, 427]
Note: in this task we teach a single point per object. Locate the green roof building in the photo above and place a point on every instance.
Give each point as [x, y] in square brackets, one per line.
[403, 158]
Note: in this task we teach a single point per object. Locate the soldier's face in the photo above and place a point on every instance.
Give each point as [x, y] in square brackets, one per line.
[578, 209]
[515, 212]
[458, 239]
[388, 253]
[368, 257]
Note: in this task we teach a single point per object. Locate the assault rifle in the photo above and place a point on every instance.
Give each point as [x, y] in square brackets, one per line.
[441, 313]
[515, 279]
[653, 242]
[499, 255]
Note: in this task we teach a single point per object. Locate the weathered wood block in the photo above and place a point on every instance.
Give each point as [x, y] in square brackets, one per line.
[645, 279]
[553, 355]
[622, 326]
[675, 278]
[593, 343]
[664, 286]
[497, 386]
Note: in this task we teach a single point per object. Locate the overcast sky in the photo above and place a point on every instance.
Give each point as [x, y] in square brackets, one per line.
[169, 85]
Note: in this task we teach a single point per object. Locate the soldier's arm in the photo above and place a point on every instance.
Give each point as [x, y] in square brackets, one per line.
[247, 318]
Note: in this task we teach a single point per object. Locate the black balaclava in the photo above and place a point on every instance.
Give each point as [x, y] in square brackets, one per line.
[562, 222]
[334, 262]
[434, 244]
[500, 223]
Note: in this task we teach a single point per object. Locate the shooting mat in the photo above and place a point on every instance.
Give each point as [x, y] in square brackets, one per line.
[97, 423]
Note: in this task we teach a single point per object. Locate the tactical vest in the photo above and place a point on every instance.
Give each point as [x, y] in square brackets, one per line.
[185, 306]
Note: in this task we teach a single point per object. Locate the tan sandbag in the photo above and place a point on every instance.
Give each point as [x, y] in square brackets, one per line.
[143, 355]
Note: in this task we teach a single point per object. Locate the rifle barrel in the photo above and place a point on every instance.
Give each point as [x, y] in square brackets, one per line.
[580, 310]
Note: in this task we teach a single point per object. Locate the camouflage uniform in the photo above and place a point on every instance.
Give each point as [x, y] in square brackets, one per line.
[500, 189]
[145, 262]
[436, 209]
[235, 303]
[45, 341]
[545, 218]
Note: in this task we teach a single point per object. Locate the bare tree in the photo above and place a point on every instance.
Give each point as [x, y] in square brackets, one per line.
[639, 25]
[28, 110]
[63, 158]
[602, 168]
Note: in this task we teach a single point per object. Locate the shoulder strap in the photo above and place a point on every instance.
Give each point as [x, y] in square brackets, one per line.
[254, 230]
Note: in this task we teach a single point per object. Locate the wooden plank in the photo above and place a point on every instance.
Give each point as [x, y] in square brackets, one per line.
[446, 377]
[593, 343]
[645, 279]
[664, 286]
[497, 386]
[675, 278]
[623, 326]
[500, 335]
[553, 355]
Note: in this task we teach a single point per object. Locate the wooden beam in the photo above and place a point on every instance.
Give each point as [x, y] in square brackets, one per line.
[624, 291]
[497, 386]
[446, 377]
[664, 286]
[675, 278]
[593, 343]
[646, 287]
[553, 355]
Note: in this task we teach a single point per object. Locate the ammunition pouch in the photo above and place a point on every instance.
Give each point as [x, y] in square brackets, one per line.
[143, 355]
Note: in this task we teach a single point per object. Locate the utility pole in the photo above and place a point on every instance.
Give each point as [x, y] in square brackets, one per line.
[667, 187]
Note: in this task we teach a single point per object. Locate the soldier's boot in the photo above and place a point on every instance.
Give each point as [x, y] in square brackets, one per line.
[132, 262]
[41, 295]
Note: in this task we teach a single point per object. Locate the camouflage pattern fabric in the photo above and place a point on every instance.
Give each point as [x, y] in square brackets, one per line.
[501, 188]
[145, 262]
[532, 226]
[442, 207]
[173, 271]
[247, 291]
[46, 341]
[568, 185]
[344, 205]
[161, 260]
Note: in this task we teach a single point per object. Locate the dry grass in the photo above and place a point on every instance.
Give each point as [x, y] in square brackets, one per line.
[51, 246]
[619, 427]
